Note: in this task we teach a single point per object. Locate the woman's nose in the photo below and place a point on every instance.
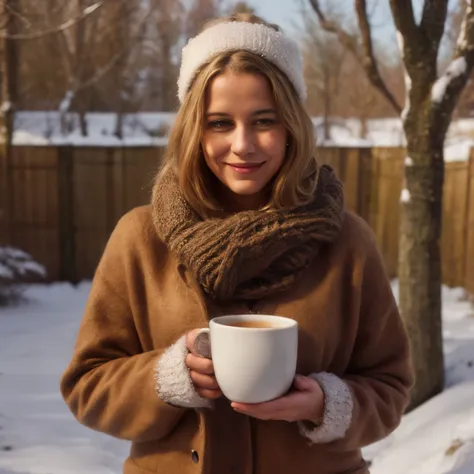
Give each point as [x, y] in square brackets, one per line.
[243, 141]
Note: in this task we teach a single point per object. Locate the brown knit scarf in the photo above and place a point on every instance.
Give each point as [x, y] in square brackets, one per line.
[250, 254]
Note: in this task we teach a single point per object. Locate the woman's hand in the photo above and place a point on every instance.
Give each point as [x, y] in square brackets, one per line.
[201, 369]
[305, 402]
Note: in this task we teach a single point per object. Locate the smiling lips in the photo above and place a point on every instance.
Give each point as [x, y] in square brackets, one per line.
[246, 168]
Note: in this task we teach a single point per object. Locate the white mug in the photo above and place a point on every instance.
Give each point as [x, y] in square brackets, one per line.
[253, 365]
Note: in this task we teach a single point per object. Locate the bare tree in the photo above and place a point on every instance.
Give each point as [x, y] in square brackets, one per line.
[323, 58]
[366, 56]
[63, 66]
[120, 89]
[465, 106]
[8, 72]
[362, 98]
[18, 29]
[8, 99]
[40, 33]
[200, 12]
[337, 82]
[431, 99]
[107, 55]
[241, 7]
[79, 50]
[103, 55]
[452, 29]
[164, 38]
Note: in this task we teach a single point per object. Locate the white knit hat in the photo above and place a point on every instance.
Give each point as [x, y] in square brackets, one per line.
[232, 36]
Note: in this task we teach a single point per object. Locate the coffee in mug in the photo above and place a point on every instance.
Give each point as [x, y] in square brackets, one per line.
[254, 356]
[252, 324]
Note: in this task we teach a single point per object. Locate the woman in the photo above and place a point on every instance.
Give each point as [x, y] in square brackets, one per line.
[242, 220]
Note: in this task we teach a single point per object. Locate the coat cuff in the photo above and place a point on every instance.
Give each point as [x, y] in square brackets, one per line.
[338, 407]
[173, 382]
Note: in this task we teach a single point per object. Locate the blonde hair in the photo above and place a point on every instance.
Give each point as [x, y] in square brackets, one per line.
[295, 182]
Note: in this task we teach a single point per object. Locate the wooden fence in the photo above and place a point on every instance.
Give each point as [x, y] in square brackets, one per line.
[373, 181]
[61, 203]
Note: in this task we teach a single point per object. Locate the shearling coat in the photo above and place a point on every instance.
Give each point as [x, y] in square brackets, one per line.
[127, 376]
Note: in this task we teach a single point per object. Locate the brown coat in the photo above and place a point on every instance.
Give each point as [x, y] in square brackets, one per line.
[143, 300]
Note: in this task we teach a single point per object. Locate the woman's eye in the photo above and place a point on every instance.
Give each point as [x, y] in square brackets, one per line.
[266, 122]
[219, 124]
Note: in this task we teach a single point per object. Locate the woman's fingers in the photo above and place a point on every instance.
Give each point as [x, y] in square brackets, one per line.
[201, 369]
[198, 364]
[210, 394]
[204, 381]
[201, 372]
[304, 403]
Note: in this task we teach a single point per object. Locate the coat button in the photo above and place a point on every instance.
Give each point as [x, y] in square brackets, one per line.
[194, 456]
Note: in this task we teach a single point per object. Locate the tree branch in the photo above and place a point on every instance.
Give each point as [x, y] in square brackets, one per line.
[346, 39]
[368, 60]
[404, 18]
[465, 42]
[449, 86]
[409, 38]
[433, 20]
[57, 29]
[101, 72]
[9, 13]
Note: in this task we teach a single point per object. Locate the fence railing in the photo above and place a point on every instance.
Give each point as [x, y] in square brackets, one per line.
[61, 203]
[373, 181]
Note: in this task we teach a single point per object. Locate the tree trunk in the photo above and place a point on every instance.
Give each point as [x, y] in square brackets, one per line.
[8, 97]
[118, 132]
[420, 254]
[169, 76]
[8, 76]
[83, 121]
[430, 103]
[327, 105]
[363, 127]
[81, 67]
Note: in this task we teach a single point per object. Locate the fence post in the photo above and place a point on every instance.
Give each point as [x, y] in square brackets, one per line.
[374, 189]
[67, 228]
[364, 189]
[469, 228]
[110, 181]
[6, 230]
[118, 191]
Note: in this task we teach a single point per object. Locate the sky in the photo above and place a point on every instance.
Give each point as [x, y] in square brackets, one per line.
[287, 14]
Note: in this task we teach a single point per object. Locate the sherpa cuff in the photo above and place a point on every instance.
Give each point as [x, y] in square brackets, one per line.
[173, 382]
[338, 407]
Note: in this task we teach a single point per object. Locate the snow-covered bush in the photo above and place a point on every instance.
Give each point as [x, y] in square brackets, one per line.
[17, 269]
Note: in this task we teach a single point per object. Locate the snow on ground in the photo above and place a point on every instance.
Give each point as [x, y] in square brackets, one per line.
[438, 437]
[458, 149]
[42, 128]
[38, 435]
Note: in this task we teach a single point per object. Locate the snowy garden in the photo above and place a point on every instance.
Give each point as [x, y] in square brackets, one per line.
[38, 434]
[80, 127]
